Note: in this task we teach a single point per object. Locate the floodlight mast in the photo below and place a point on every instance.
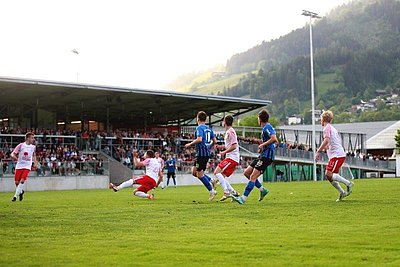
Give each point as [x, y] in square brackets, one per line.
[312, 15]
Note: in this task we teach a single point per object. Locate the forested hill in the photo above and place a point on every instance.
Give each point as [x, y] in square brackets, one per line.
[366, 24]
[356, 52]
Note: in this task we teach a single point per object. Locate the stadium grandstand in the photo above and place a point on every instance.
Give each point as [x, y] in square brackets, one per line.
[84, 130]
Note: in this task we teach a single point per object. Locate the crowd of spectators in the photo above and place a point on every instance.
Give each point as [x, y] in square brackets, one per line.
[57, 160]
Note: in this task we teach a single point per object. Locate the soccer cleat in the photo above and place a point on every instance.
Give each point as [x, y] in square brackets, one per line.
[113, 187]
[225, 196]
[350, 188]
[235, 193]
[213, 193]
[341, 196]
[239, 200]
[21, 196]
[151, 196]
[263, 194]
[13, 199]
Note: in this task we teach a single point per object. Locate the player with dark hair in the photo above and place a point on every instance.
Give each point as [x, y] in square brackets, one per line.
[26, 155]
[146, 182]
[266, 157]
[171, 168]
[205, 138]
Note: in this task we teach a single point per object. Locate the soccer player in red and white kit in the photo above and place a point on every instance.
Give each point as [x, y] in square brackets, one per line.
[231, 153]
[24, 154]
[146, 182]
[333, 145]
[162, 164]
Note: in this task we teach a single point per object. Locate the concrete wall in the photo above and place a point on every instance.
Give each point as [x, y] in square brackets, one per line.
[97, 182]
[57, 183]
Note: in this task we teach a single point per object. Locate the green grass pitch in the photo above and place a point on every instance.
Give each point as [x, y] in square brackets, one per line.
[298, 223]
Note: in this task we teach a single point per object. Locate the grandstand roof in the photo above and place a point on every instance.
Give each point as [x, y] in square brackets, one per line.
[19, 97]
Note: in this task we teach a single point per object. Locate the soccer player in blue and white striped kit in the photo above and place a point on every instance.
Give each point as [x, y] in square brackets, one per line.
[266, 157]
[204, 139]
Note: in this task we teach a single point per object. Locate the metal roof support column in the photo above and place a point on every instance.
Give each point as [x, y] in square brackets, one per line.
[66, 119]
[108, 120]
[82, 122]
[36, 112]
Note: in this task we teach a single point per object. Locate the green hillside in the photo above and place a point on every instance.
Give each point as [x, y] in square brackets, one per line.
[217, 87]
[356, 55]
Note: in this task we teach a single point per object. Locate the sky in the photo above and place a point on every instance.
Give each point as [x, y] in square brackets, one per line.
[138, 44]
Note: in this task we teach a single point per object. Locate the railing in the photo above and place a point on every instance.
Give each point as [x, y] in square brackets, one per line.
[13, 140]
[140, 143]
[308, 156]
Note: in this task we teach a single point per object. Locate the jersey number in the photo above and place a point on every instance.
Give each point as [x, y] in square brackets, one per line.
[208, 137]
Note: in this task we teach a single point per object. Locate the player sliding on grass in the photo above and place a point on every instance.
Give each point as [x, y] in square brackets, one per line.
[266, 157]
[205, 138]
[26, 154]
[231, 153]
[333, 145]
[146, 182]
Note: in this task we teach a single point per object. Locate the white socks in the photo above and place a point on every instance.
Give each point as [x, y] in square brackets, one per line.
[126, 184]
[337, 186]
[222, 182]
[19, 189]
[336, 177]
[228, 186]
[141, 194]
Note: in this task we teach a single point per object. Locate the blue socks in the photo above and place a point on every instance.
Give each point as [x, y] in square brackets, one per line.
[249, 188]
[257, 184]
[206, 182]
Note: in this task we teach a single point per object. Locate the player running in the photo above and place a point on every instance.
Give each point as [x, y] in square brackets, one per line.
[205, 138]
[146, 182]
[26, 154]
[266, 157]
[231, 153]
[161, 162]
[333, 145]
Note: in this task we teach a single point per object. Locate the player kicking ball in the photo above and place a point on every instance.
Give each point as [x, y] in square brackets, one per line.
[266, 157]
[146, 182]
[333, 145]
[24, 154]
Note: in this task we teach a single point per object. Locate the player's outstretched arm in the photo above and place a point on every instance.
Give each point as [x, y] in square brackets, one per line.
[136, 160]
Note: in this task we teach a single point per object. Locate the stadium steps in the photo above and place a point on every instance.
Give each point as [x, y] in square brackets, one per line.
[118, 171]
